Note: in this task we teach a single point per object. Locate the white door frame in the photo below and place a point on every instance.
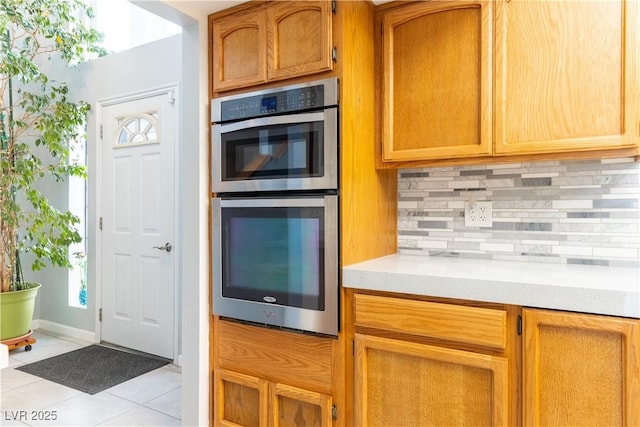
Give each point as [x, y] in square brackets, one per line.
[172, 91]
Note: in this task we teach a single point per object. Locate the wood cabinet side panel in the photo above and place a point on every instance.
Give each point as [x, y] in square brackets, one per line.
[368, 197]
[299, 360]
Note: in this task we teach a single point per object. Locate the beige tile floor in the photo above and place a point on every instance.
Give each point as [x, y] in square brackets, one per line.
[152, 399]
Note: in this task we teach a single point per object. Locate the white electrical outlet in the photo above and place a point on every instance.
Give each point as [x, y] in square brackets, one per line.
[478, 214]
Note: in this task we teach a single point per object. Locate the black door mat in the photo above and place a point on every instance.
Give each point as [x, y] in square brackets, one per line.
[94, 368]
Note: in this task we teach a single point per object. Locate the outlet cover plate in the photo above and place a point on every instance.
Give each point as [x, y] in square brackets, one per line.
[478, 214]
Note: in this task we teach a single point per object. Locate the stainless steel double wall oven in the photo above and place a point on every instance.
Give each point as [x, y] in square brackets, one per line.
[275, 214]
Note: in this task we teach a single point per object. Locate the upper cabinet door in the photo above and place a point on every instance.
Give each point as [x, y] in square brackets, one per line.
[436, 95]
[567, 75]
[239, 50]
[299, 38]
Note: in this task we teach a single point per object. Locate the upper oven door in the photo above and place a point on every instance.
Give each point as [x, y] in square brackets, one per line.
[278, 153]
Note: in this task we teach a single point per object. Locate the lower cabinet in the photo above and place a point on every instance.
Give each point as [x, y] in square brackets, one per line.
[244, 400]
[401, 383]
[269, 377]
[241, 400]
[580, 369]
[433, 363]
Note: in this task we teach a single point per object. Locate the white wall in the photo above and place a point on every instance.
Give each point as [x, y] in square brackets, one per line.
[194, 199]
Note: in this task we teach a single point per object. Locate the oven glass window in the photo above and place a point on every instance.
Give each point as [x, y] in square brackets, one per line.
[272, 152]
[274, 255]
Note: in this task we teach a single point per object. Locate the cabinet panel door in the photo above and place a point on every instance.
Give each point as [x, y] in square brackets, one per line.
[240, 400]
[567, 75]
[299, 38]
[406, 384]
[580, 369]
[239, 50]
[436, 80]
[293, 406]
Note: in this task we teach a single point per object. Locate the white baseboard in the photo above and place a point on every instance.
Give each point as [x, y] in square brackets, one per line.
[69, 331]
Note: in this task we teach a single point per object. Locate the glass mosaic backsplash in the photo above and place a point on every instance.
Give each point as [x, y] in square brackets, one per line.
[576, 212]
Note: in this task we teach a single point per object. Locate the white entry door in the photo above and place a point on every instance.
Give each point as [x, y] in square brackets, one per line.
[137, 220]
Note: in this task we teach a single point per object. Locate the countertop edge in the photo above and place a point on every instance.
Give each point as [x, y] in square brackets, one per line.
[425, 276]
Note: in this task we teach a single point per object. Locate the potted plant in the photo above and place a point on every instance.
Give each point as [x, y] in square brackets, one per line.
[37, 122]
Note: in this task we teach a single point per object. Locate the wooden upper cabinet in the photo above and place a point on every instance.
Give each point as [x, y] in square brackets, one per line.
[580, 369]
[299, 38]
[567, 76]
[436, 95]
[273, 41]
[239, 50]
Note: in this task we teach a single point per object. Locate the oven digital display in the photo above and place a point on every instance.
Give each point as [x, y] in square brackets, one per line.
[269, 104]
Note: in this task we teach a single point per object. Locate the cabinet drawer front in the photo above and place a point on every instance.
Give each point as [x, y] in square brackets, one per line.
[469, 325]
[300, 360]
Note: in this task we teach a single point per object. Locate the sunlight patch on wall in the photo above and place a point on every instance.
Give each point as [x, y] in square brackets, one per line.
[125, 25]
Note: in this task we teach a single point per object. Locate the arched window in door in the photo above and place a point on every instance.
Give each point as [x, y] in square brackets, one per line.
[137, 129]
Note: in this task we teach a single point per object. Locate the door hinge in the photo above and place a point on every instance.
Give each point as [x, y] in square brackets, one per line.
[100, 223]
[334, 412]
[353, 347]
[334, 54]
[101, 130]
[100, 315]
[172, 97]
[519, 325]
[334, 6]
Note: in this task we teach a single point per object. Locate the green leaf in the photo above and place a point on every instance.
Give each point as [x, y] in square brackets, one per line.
[36, 130]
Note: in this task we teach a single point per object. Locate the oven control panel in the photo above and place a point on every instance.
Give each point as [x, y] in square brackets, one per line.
[283, 100]
[280, 102]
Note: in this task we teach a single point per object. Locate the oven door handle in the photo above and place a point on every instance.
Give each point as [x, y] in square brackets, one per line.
[283, 202]
[275, 120]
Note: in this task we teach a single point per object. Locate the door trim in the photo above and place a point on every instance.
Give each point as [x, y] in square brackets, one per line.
[172, 90]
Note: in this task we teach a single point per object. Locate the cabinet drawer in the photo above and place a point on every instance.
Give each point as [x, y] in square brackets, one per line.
[469, 325]
[299, 360]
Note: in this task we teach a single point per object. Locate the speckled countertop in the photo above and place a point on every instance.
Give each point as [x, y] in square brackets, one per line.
[582, 288]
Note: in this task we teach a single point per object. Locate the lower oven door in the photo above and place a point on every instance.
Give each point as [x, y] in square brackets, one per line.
[275, 261]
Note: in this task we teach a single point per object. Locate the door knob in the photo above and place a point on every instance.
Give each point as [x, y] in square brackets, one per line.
[166, 247]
